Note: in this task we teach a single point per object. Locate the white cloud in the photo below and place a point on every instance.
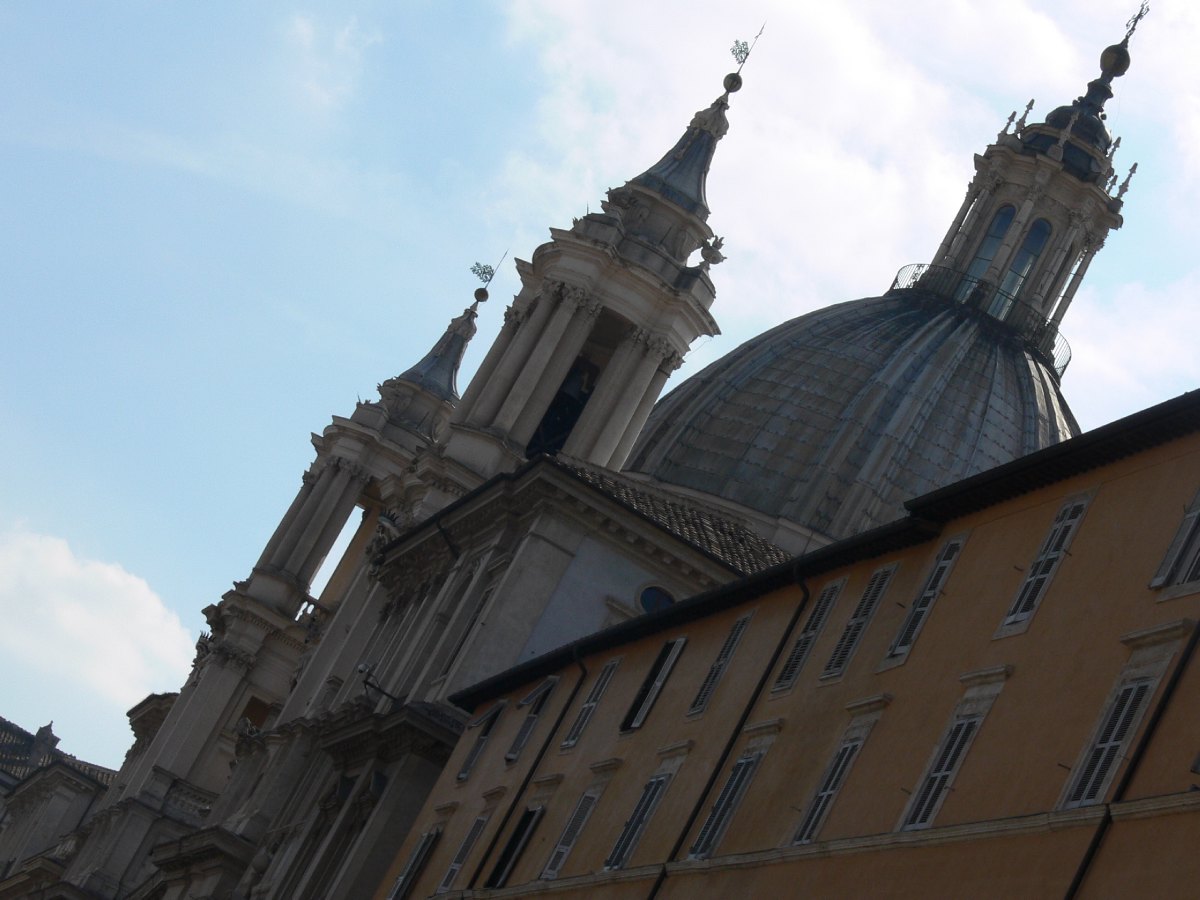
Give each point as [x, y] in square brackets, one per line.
[329, 61]
[851, 144]
[82, 640]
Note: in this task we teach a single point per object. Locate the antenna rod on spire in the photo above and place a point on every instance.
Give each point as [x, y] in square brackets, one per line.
[741, 50]
[1132, 24]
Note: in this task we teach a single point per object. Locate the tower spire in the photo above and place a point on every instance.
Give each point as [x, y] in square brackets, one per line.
[1036, 213]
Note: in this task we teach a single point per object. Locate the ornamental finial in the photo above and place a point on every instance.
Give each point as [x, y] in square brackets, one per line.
[485, 273]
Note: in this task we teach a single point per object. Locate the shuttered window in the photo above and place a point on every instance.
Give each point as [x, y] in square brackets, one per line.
[652, 793]
[643, 702]
[1182, 562]
[1119, 723]
[727, 802]
[460, 857]
[858, 623]
[579, 817]
[516, 845]
[835, 775]
[1037, 579]
[937, 780]
[535, 701]
[485, 724]
[812, 629]
[590, 703]
[416, 862]
[717, 669]
[919, 610]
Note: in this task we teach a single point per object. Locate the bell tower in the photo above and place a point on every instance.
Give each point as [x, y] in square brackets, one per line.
[606, 311]
[1036, 213]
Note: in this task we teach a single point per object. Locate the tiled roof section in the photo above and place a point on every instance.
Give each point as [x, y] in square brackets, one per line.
[20, 756]
[725, 540]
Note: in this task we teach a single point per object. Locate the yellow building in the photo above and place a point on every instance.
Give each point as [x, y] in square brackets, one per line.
[994, 696]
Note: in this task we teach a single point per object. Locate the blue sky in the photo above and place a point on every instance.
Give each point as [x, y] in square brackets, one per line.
[223, 223]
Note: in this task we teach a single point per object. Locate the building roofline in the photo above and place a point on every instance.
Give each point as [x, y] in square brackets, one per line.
[927, 515]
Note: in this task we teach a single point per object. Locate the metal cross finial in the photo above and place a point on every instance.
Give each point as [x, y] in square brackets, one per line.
[486, 273]
[1132, 24]
[741, 50]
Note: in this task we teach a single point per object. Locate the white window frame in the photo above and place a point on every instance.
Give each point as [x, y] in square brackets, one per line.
[599, 686]
[865, 715]
[789, 672]
[517, 842]
[1040, 574]
[571, 831]
[536, 701]
[408, 876]
[952, 748]
[719, 665]
[1181, 565]
[918, 612]
[643, 811]
[464, 850]
[860, 619]
[647, 695]
[1096, 769]
[723, 808]
[486, 723]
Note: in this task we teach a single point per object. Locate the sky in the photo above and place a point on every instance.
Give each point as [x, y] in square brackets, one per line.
[224, 223]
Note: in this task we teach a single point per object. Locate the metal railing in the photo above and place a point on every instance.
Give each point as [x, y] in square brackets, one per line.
[1039, 334]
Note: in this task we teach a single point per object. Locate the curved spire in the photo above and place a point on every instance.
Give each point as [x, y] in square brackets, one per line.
[437, 372]
[680, 176]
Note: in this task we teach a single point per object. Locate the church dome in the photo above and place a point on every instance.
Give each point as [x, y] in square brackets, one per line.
[834, 419]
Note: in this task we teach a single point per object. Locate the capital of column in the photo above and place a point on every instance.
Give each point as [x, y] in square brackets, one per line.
[514, 318]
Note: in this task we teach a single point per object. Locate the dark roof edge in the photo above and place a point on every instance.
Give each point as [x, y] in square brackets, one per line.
[1109, 443]
[1140, 431]
[884, 539]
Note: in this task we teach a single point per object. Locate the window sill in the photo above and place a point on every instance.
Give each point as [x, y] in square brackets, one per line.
[1175, 591]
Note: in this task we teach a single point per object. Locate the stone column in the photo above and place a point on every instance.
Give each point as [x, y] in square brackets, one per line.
[296, 523]
[308, 481]
[981, 203]
[642, 412]
[657, 349]
[1051, 271]
[321, 529]
[563, 354]
[1069, 294]
[614, 383]
[484, 374]
[498, 388]
[973, 194]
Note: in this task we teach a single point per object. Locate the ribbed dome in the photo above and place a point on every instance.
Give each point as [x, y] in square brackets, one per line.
[834, 419]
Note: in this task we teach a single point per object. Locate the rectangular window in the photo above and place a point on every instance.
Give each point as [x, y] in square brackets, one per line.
[416, 862]
[652, 793]
[1107, 749]
[717, 669]
[1182, 562]
[919, 610]
[1037, 579]
[558, 856]
[460, 857]
[946, 761]
[485, 724]
[516, 845]
[535, 701]
[727, 802]
[575, 732]
[835, 775]
[653, 685]
[858, 623]
[808, 636]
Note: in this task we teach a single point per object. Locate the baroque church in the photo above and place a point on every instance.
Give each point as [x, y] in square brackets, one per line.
[558, 496]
